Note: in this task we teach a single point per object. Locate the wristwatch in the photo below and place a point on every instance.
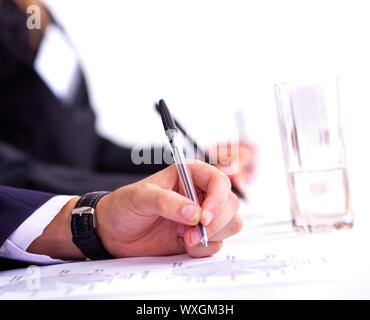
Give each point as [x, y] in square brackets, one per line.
[84, 235]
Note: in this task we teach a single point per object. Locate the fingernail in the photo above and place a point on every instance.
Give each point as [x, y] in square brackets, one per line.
[207, 217]
[180, 228]
[195, 237]
[190, 213]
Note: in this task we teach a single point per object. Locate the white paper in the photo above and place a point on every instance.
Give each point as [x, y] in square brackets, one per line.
[266, 261]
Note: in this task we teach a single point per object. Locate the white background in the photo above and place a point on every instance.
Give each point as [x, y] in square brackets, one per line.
[208, 58]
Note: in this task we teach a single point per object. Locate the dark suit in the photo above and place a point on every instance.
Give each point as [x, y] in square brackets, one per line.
[16, 205]
[45, 143]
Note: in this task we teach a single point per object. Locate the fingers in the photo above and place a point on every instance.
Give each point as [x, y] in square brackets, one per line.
[225, 224]
[150, 200]
[203, 173]
[214, 183]
[219, 207]
[200, 251]
[232, 228]
[224, 215]
[216, 241]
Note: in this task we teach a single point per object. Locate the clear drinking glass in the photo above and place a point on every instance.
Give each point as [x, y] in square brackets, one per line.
[314, 155]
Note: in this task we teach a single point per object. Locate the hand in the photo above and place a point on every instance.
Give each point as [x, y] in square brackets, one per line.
[238, 161]
[153, 217]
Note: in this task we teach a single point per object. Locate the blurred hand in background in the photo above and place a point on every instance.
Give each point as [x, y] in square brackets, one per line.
[238, 161]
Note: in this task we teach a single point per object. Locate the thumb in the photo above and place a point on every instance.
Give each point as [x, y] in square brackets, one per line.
[151, 199]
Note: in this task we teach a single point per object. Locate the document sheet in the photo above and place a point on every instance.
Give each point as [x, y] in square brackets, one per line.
[267, 260]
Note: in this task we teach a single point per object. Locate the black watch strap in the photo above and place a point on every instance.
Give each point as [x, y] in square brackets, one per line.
[84, 235]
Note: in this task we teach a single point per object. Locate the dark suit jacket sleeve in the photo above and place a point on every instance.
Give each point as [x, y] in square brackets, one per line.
[19, 169]
[16, 205]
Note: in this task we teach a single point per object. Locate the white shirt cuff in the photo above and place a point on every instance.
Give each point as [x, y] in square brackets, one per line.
[16, 245]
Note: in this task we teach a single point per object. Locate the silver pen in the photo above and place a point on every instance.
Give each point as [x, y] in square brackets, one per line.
[178, 155]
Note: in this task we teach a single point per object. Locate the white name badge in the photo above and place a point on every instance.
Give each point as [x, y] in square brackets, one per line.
[57, 64]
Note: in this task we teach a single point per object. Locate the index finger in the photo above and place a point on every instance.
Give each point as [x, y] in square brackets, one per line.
[214, 183]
